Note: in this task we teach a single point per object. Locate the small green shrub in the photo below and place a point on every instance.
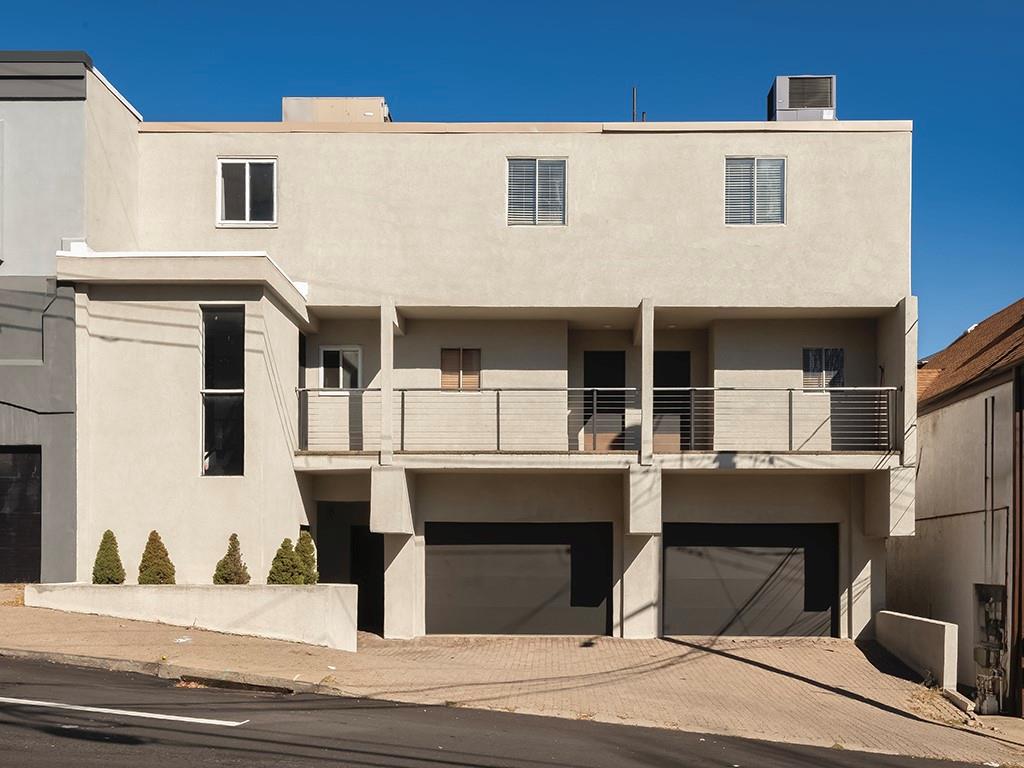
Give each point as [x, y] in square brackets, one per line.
[156, 566]
[287, 566]
[231, 568]
[108, 568]
[306, 550]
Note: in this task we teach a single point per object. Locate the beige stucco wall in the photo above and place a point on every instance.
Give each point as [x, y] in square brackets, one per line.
[140, 430]
[961, 538]
[111, 170]
[422, 216]
[819, 498]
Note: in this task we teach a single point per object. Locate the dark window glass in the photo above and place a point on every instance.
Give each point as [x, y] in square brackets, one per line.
[224, 439]
[223, 343]
[332, 365]
[261, 191]
[233, 191]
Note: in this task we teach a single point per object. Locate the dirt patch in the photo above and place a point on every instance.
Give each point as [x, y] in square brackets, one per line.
[12, 594]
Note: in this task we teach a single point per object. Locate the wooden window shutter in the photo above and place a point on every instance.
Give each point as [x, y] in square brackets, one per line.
[471, 369]
[451, 365]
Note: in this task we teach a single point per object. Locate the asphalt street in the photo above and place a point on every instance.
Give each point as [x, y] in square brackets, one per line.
[53, 715]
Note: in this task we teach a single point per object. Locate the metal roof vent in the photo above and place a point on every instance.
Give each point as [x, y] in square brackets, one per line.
[802, 97]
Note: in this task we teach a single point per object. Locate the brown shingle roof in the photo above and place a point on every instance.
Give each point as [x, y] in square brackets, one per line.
[994, 345]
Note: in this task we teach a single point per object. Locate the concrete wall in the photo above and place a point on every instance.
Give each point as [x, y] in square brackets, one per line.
[927, 646]
[422, 216]
[324, 614]
[819, 498]
[962, 526]
[140, 438]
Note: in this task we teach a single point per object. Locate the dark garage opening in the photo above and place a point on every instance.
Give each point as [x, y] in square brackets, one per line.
[20, 513]
[519, 578]
[751, 579]
[349, 553]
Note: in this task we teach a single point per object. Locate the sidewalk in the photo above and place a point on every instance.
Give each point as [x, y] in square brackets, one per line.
[818, 692]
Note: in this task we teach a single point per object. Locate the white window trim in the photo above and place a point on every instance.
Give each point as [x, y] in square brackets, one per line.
[341, 348]
[243, 224]
[536, 191]
[785, 189]
[203, 391]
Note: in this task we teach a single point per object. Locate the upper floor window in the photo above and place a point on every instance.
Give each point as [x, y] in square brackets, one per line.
[824, 367]
[536, 191]
[247, 191]
[223, 390]
[460, 368]
[341, 367]
[755, 190]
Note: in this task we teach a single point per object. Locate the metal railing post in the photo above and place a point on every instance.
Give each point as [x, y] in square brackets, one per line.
[303, 420]
[497, 419]
[593, 420]
[401, 427]
[791, 419]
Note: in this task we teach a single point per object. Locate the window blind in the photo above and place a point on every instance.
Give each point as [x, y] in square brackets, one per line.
[739, 190]
[551, 191]
[522, 191]
[755, 190]
[771, 185]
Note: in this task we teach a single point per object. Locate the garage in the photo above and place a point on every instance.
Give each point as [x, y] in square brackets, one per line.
[518, 578]
[20, 513]
[751, 579]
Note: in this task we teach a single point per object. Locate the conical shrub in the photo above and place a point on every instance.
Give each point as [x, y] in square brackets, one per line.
[287, 566]
[108, 568]
[306, 550]
[156, 566]
[231, 568]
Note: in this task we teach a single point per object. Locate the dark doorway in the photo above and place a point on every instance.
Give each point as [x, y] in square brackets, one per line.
[605, 400]
[519, 578]
[673, 401]
[349, 553]
[20, 513]
[751, 579]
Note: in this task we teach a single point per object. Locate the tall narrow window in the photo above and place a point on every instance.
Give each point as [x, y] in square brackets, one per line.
[341, 367]
[247, 192]
[824, 367]
[536, 191]
[460, 368]
[755, 190]
[223, 390]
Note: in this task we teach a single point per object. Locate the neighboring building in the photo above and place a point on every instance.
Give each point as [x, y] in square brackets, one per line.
[56, 146]
[588, 378]
[964, 564]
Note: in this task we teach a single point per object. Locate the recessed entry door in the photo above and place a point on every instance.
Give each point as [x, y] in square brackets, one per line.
[605, 400]
[20, 513]
[519, 578]
[673, 401]
[751, 579]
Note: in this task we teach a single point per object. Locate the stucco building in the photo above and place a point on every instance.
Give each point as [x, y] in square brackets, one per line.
[595, 378]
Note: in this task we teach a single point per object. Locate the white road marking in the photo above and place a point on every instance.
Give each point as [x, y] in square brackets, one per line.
[121, 712]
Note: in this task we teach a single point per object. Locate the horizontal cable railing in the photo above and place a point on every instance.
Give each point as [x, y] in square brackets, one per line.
[339, 420]
[774, 419]
[516, 420]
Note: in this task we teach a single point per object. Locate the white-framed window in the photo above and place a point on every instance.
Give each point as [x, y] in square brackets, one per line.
[246, 191]
[824, 367]
[755, 190]
[536, 191]
[341, 367]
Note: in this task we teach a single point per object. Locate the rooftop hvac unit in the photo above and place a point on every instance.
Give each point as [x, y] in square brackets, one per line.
[802, 97]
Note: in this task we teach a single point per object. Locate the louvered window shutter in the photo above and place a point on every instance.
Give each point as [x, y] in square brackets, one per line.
[771, 188]
[551, 191]
[522, 191]
[451, 365]
[471, 369]
[813, 368]
[739, 190]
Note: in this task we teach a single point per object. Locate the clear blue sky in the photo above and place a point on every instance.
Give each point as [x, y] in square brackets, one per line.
[955, 69]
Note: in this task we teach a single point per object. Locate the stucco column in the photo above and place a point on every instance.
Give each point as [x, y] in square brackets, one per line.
[641, 580]
[643, 337]
[404, 586]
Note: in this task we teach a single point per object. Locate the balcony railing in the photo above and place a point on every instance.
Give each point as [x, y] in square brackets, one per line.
[774, 419]
[517, 420]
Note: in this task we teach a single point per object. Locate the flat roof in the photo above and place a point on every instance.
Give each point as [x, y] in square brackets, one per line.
[758, 126]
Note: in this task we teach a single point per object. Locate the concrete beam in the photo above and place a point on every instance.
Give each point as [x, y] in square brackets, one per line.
[642, 500]
[889, 502]
[391, 500]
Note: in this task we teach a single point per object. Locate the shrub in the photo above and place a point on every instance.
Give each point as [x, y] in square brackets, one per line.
[108, 568]
[231, 568]
[287, 566]
[306, 550]
[156, 566]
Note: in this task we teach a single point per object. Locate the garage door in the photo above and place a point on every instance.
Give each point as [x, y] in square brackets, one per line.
[523, 578]
[732, 579]
[20, 513]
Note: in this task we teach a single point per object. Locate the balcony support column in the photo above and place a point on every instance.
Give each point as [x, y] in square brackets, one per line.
[641, 553]
[391, 324]
[643, 337]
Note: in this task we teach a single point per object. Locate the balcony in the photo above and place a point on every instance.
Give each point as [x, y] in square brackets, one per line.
[569, 421]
